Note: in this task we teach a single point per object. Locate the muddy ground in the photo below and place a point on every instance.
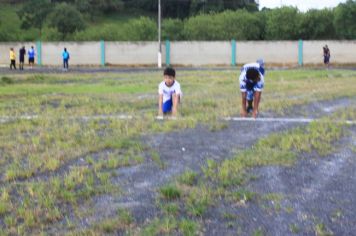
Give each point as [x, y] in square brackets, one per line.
[315, 192]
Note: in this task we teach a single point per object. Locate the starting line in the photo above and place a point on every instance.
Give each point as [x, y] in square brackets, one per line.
[286, 120]
[5, 119]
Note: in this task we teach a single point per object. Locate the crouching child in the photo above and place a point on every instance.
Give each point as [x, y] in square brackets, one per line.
[170, 93]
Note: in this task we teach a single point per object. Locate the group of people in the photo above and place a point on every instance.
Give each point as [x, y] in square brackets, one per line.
[22, 52]
[251, 82]
[31, 58]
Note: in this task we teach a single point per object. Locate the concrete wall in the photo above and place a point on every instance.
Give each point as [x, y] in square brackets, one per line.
[201, 53]
[275, 52]
[342, 52]
[132, 53]
[87, 53]
[192, 53]
[5, 51]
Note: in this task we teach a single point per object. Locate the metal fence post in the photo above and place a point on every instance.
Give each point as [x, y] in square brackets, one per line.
[300, 52]
[102, 54]
[233, 52]
[39, 52]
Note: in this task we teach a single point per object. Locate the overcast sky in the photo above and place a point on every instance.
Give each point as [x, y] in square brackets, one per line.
[303, 5]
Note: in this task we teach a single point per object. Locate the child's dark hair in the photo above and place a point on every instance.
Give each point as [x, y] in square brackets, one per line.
[169, 71]
[253, 74]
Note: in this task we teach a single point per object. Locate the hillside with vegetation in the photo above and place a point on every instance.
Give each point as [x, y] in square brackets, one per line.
[136, 20]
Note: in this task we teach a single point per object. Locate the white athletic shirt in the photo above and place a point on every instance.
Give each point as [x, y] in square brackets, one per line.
[244, 81]
[168, 91]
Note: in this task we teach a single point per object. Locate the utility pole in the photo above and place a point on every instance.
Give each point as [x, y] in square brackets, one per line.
[159, 36]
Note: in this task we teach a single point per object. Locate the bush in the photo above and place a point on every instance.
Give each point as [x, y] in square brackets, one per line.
[109, 32]
[6, 80]
[141, 29]
[202, 27]
[282, 24]
[240, 25]
[172, 29]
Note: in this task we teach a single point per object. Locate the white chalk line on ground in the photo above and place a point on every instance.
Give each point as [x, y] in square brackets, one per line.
[286, 120]
[5, 119]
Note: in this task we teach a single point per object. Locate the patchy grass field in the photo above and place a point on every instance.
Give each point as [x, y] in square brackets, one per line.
[63, 174]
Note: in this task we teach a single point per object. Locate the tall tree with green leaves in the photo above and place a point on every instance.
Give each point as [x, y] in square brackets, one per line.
[34, 14]
[66, 19]
[317, 24]
[344, 20]
[282, 24]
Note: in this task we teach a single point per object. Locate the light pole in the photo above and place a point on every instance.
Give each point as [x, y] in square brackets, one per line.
[159, 36]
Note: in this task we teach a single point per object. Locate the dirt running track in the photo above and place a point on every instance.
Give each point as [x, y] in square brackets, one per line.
[315, 191]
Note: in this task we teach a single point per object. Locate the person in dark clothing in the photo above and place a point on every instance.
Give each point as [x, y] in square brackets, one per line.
[22, 53]
[326, 54]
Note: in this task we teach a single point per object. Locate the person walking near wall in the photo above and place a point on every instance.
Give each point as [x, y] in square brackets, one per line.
[12, 59]
[326, 53]
[22, 54]
[65, 56]
[31, 57]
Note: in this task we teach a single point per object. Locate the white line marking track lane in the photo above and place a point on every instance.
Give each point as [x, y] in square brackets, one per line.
[5, 119]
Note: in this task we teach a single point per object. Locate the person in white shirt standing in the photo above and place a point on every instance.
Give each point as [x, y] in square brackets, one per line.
[169, 94]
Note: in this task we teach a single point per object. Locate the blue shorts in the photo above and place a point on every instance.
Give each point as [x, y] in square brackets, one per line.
[167, 106]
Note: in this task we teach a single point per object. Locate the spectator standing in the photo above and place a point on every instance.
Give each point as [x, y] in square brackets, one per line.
[22, 54]
[31, 57]
[12, 59]
[65, 56]
[326, 53]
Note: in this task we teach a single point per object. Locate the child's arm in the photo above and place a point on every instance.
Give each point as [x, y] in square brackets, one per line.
[175, 98]
[256, 101]
[243, 104]
[160, 102]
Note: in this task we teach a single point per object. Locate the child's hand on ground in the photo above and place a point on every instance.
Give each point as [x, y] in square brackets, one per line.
[255, 114]
[243, 113]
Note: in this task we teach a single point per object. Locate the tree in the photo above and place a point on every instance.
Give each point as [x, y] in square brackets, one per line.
[317, 24]
[344, 20]
[172, 29]
[66, 19]
[186, 8]
[282, 24]
[34, 13]
[227, 25]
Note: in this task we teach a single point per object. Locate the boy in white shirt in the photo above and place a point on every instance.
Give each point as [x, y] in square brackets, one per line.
[169, 94]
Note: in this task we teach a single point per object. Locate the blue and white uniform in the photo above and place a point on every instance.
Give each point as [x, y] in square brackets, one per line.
[167, 93]
[249, 86]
